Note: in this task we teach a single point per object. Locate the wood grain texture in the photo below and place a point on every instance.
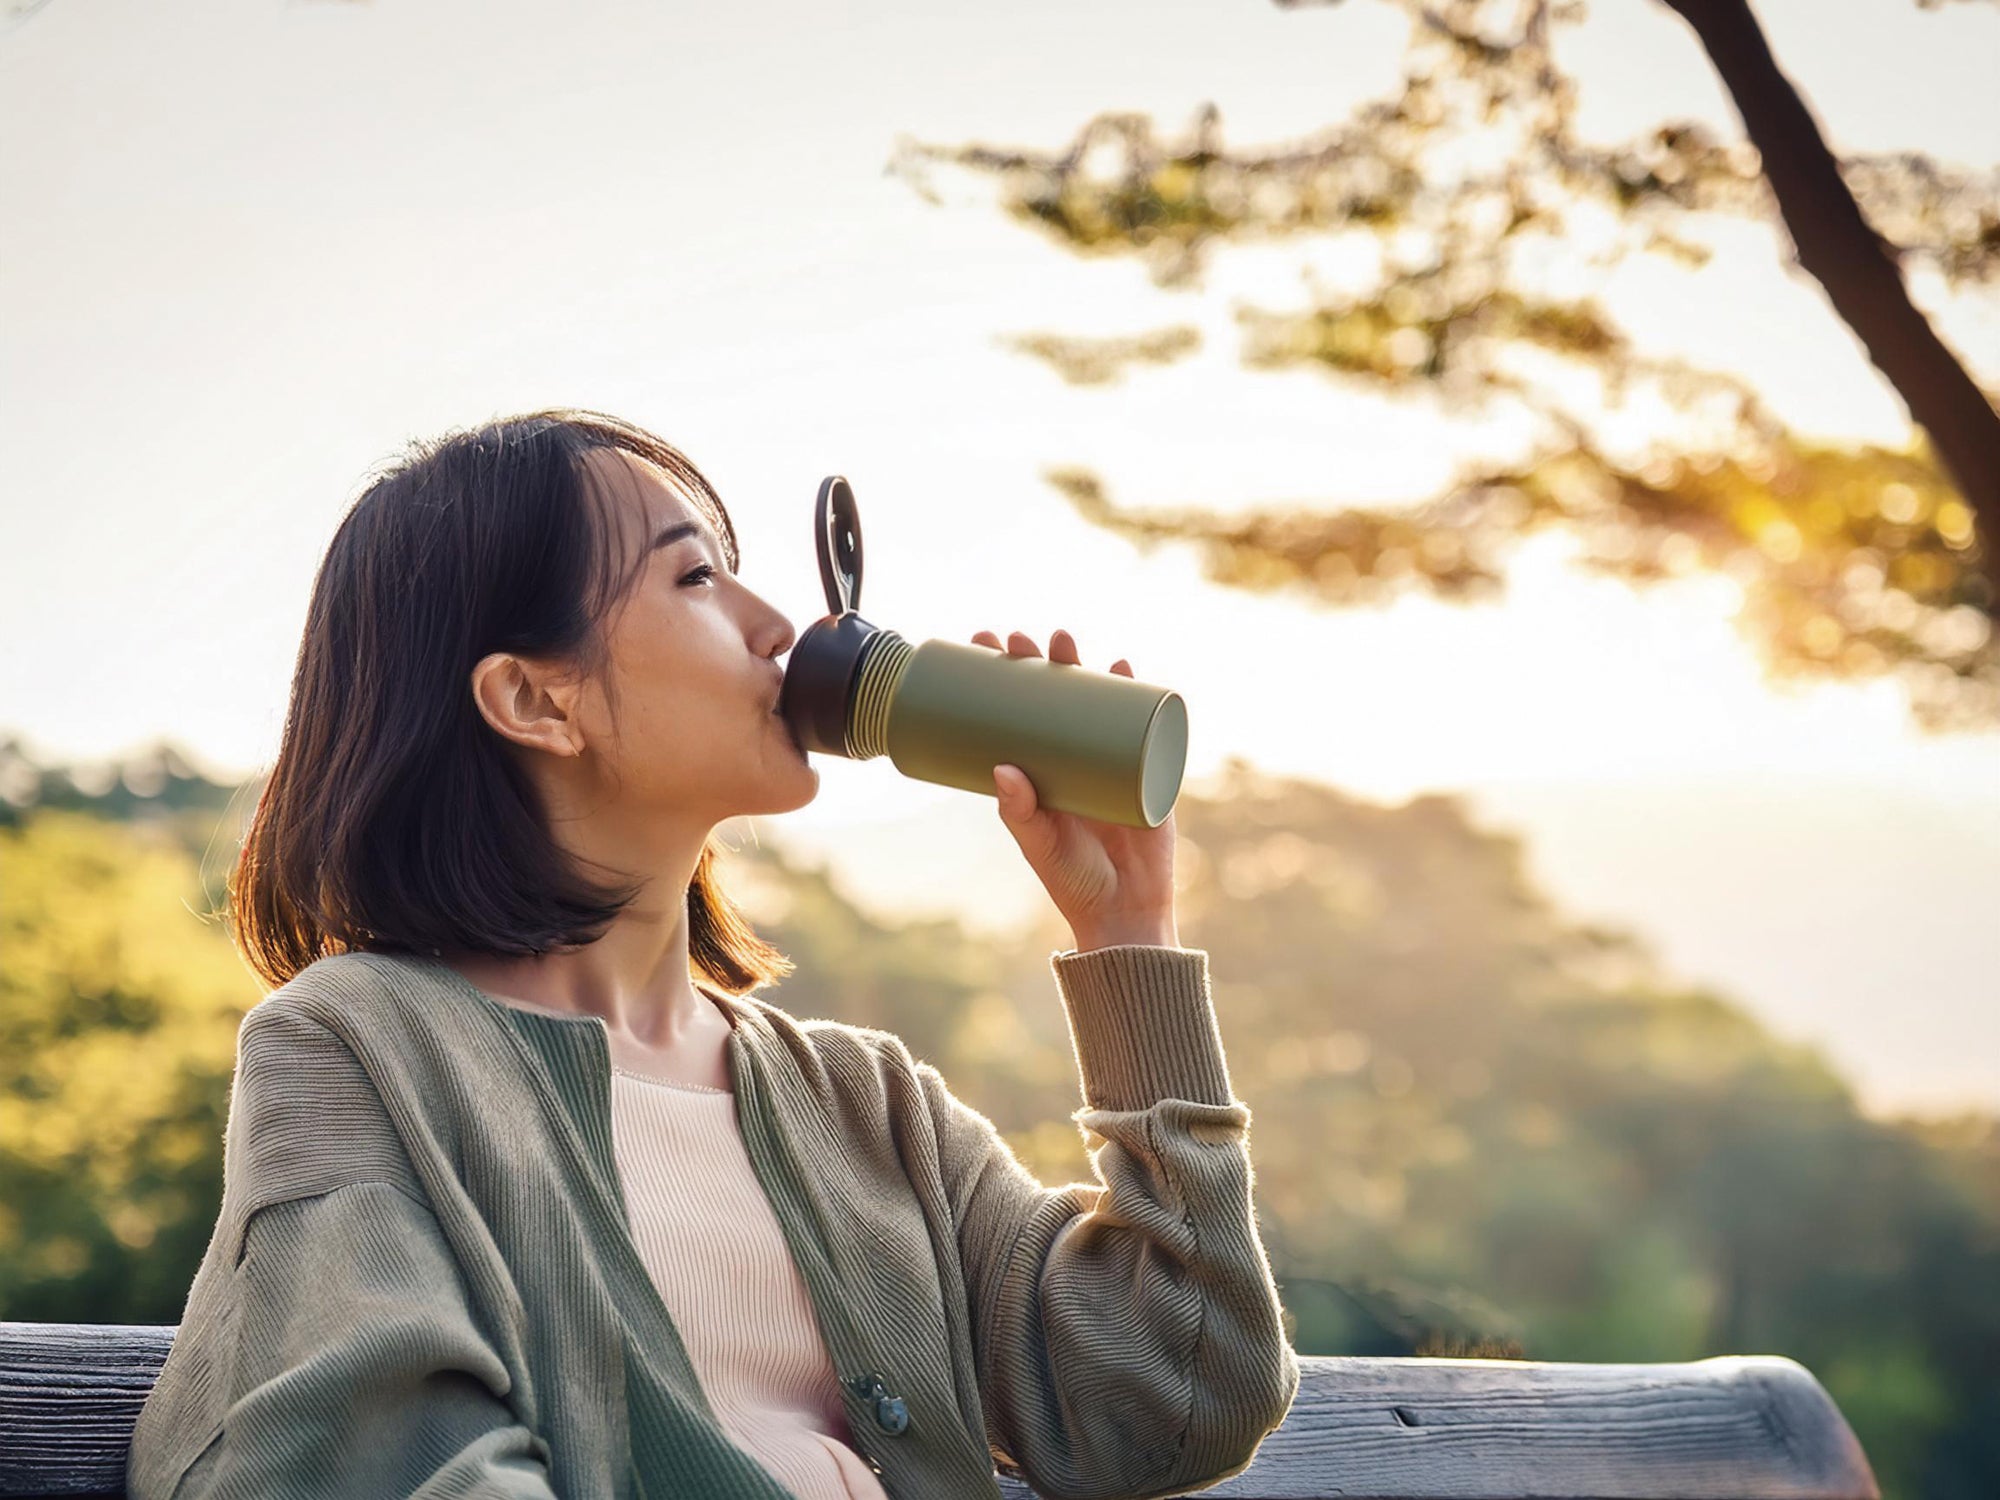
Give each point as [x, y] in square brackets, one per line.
[1731, 1428]
[1748, 1427]
[70, 1394]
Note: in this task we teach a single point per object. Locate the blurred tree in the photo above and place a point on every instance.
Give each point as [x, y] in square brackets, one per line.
[157, 787]
[1469, 189]
[118, 1015]
[1489, 1126]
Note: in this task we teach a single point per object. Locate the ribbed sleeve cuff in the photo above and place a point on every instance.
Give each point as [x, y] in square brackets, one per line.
[1142, 1023]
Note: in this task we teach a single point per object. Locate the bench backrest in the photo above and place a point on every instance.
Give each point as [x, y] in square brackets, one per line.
[1741, 1427]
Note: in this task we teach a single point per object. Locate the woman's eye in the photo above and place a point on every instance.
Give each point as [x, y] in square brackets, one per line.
[703, 571]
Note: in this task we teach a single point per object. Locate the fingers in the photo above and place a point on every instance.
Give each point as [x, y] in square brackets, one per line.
[1062, 648]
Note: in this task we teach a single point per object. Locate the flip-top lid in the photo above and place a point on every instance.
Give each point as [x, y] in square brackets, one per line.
[825, 661]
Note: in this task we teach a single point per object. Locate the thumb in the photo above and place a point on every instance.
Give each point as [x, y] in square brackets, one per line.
[1011, 791]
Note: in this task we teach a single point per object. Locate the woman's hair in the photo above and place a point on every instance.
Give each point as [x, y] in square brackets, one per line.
[395, 819]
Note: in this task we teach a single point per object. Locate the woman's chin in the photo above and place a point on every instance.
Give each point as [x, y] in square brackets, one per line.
[800, 789]
[794, 779]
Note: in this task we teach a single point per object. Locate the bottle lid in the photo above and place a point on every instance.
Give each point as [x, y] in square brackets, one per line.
[826, 659]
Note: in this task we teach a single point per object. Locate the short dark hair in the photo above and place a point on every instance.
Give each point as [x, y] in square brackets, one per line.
[394, 820]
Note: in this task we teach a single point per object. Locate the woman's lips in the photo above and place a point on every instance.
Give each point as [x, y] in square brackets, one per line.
[790, 733]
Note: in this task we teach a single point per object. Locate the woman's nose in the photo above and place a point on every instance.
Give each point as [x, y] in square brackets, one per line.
[786, 637]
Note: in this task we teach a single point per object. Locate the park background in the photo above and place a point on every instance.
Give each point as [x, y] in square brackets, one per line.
[1609, 959]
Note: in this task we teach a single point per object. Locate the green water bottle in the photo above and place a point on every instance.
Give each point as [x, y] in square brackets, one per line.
[1098, 744]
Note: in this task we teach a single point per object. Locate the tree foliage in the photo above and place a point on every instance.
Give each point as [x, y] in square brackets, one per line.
[118, 1009]
[1488, 223]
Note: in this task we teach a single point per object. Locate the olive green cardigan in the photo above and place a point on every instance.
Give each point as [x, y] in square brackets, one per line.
[422, 1281]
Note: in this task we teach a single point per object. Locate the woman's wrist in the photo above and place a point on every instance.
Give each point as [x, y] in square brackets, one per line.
[1161, 931]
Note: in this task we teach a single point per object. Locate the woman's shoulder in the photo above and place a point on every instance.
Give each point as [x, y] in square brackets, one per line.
[297, 1013]
[307, 1112]
[346, 994]
[844, 1054]
[822, 1029]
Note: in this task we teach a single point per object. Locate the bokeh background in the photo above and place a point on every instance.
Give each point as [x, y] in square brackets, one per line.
[1593, 801]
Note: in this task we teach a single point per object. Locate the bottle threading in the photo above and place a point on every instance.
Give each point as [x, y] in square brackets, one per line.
[882, 672]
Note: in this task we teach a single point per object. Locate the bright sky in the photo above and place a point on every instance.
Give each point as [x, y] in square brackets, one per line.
[253, 246]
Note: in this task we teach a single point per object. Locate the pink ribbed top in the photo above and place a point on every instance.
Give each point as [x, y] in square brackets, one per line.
[711, 1243]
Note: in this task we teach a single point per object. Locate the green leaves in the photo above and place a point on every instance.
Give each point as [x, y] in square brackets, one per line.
[1471, 186]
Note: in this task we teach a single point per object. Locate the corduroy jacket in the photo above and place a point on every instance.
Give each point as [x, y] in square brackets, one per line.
[422, 1281]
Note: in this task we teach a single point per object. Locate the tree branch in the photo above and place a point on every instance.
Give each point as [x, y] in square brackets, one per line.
[1856, 267]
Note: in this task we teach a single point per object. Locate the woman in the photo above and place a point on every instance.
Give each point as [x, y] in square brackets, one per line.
[525, 1194]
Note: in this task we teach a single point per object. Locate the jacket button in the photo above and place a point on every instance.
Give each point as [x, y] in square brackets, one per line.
[891, 1415]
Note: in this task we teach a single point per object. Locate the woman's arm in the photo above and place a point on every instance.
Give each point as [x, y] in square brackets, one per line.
[357, 1370]
[1129, 1337]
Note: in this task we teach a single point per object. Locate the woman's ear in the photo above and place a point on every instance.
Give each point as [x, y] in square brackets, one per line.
[525, 702]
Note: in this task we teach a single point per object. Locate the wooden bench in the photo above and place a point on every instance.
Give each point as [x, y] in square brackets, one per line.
[1742, 1427]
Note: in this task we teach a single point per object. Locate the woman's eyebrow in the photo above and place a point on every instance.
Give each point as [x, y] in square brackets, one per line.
[680, 530]
[683, 529]
[671, 534]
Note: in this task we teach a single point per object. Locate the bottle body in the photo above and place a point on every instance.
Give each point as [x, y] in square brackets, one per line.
[1097, 744]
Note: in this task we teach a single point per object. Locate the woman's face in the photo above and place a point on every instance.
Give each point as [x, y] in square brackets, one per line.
[692, 653]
